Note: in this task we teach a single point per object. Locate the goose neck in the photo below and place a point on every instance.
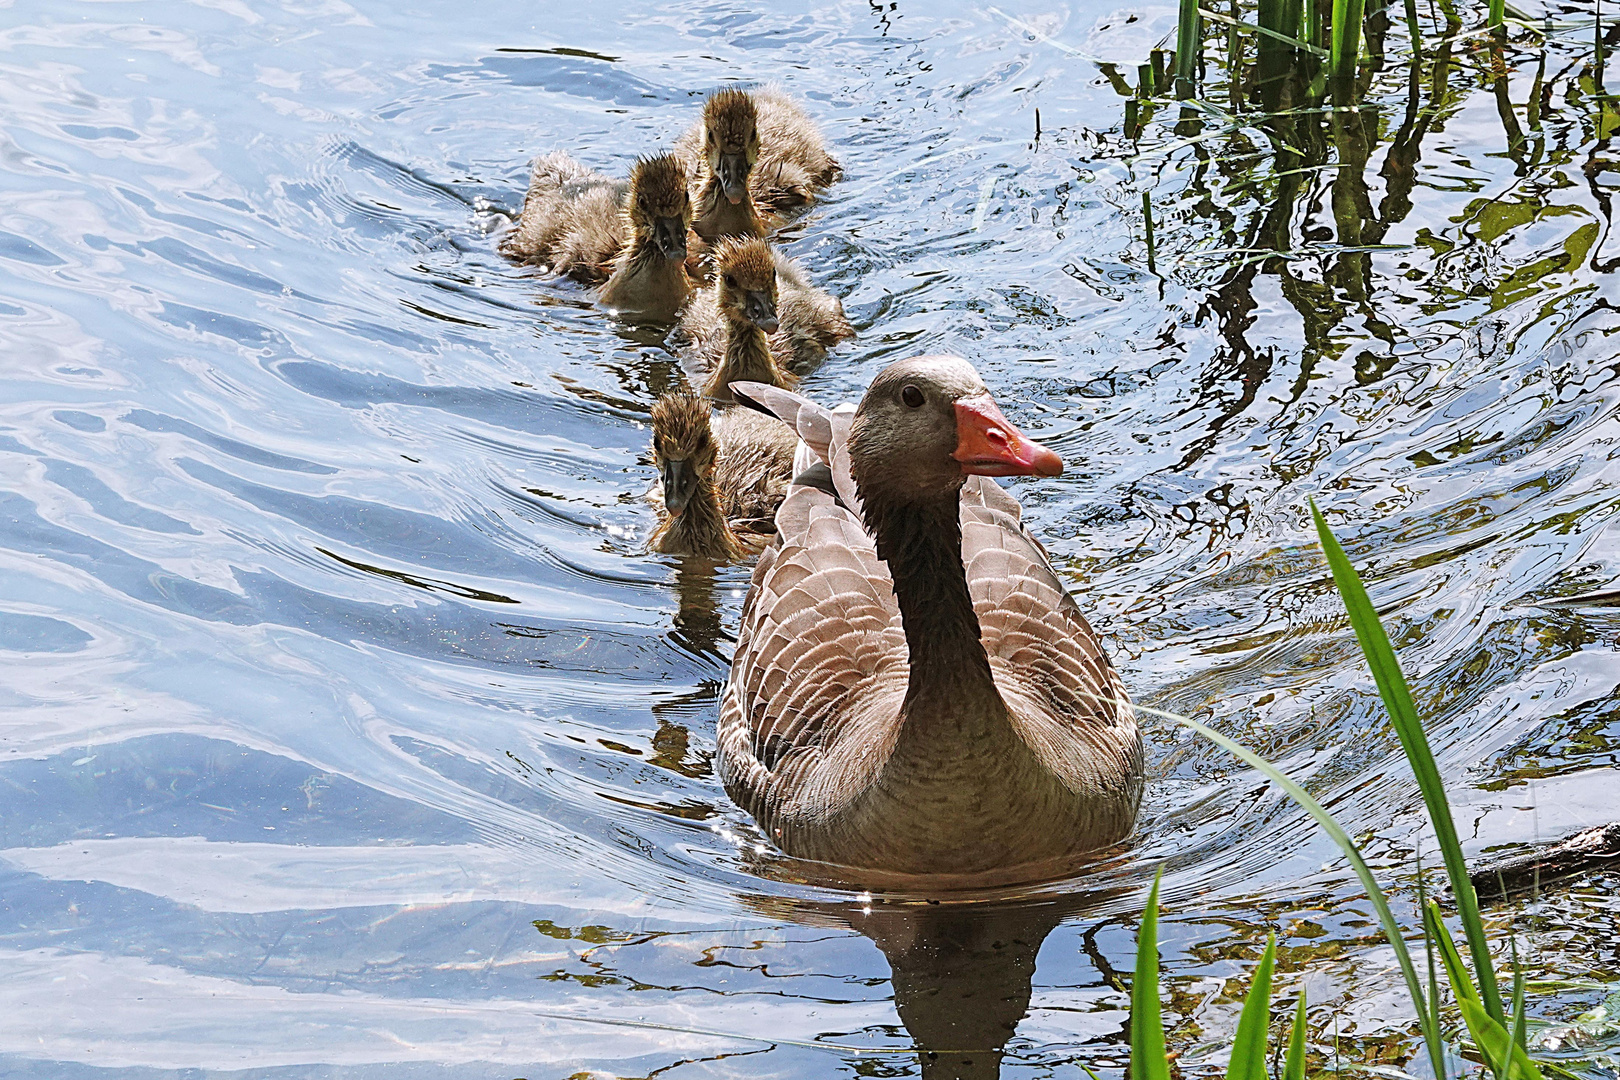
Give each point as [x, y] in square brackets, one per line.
[922, 544]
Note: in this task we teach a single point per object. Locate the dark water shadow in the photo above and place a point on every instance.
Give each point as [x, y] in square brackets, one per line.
[962, 970]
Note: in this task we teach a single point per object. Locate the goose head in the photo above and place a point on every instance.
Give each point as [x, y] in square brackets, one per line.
[928, 423]
[659, 208]
[731, 140]
[746, 276]
[683, 447]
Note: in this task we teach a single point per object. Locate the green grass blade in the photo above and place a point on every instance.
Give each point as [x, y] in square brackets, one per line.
[1518, 1001]
[1148, 1058]
[1268, 16]
[1293, 22]
[1375, 895]
[1497, 1046]
[1461, 984]
[1147, 222]
[1403, 716]
[1506, 1057]
[1249, 1044]
[1428, 945]
[1294, 1066]
[1265, 31]
[1413, 30]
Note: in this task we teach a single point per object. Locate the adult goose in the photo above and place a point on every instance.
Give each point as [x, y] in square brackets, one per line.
[914, 690]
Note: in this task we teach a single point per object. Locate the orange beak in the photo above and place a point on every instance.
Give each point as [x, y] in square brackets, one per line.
[988, 445]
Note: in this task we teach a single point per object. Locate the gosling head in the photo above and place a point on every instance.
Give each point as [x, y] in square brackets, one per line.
[683, 446]
[731, 140]
[659, 207]
[746, 274]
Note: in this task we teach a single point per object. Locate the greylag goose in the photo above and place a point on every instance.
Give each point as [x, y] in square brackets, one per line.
[761, 320]
[787, 169]
[629, 236]
[720, 479]
[913, 689]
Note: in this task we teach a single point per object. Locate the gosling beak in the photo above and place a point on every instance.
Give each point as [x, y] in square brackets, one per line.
[760, 309]
[679, 483]
[733, 174]
[988, 445]
[670, 235]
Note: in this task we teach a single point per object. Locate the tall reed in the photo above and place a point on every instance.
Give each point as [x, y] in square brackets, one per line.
[1397, 698]
[1189, 42]
[1501, 1040]
[1346, 48]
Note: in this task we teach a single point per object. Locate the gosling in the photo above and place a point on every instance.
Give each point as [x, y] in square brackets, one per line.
[761, 320]
[721, 478]
[628, 236]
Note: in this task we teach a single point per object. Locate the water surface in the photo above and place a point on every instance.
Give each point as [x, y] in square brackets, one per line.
[350, 731]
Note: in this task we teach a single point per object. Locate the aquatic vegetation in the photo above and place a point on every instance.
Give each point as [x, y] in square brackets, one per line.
[1149, 1058]
[1498, 1037]
[1295, 153]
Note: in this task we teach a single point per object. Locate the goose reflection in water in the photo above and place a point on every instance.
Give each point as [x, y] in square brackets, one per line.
[962, 970]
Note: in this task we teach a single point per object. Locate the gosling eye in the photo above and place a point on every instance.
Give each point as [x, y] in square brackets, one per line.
[912, 396]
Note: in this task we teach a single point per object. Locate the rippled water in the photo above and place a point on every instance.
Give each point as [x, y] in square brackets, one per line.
[349, 731]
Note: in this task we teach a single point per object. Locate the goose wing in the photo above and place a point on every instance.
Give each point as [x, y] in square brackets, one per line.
[821, 665]
[823, 433]
[1062, 692]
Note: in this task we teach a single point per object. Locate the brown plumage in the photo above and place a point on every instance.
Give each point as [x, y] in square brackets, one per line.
[723, 205]
[913, 688]
[628, 236]
[788, 169]
[721, 478]
[760, 320]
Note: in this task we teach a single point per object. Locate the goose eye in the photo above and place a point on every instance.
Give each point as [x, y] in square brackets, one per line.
[913, 397]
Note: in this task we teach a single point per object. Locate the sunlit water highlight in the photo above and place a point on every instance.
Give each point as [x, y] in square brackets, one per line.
[350, 731]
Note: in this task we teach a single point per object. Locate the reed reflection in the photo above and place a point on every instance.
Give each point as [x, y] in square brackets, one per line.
[1314, 203]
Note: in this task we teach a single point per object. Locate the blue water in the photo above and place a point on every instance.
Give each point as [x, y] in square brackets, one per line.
[350, 732]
